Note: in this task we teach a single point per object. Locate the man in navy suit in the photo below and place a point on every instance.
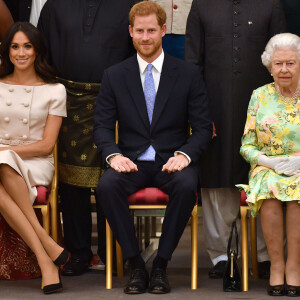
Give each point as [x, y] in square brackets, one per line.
[154, 97]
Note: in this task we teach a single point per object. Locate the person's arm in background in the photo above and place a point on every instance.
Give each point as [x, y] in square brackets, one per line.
[6, 19]
[194, 38]
[43, 25]
[278, 21]
[194, 42]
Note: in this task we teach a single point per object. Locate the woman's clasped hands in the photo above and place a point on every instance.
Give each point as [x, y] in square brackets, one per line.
[288, 166]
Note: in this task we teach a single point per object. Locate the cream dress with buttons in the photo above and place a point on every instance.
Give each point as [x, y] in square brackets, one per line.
[23, 114]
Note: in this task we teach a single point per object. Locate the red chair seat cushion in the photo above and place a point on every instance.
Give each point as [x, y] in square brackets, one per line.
[243, 198]
[42, 195]
[148, 196]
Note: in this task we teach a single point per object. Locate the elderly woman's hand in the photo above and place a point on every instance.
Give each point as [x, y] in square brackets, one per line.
[289, 167]
[272, 162]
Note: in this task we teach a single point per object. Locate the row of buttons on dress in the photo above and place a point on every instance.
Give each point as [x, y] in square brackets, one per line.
[7, 120]
[9, 103]
[26, 89]
[7, 136]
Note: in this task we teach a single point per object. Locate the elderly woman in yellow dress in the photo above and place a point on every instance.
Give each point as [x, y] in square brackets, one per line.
[271, 144]
[31, 109]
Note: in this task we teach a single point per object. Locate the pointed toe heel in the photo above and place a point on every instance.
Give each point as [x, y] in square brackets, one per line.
[53, 288]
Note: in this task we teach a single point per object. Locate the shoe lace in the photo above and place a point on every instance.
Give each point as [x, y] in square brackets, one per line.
[137, 273]
[159, 274]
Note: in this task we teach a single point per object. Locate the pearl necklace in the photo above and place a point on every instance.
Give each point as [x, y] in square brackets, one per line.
[288, 100]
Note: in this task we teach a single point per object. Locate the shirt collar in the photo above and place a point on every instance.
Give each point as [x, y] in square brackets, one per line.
[157, 64]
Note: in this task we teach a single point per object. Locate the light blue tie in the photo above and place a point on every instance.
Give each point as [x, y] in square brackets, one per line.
[150, 93]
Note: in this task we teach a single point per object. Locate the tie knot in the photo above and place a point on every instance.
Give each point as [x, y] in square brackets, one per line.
[149, 67]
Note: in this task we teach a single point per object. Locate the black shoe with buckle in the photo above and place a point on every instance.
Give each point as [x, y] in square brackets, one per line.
[292, 291]
[75, 267]
[138, 282]
[159, 283]
[218, 270]
[276, 290]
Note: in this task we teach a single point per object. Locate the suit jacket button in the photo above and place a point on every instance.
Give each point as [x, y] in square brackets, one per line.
[138, 152]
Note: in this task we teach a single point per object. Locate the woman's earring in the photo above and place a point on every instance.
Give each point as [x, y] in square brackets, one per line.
[271, 74]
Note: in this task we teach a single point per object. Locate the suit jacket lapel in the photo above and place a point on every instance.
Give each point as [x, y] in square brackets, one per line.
[167, 80]
[134, 84]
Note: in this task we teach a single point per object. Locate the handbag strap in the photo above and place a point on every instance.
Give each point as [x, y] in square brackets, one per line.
[233, 232]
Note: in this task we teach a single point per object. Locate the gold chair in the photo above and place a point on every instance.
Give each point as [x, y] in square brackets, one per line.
[109, 243]
[244, 208]
[157, 206]
[50, 209]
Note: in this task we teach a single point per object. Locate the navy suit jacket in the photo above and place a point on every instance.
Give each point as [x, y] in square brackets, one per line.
[181, 99]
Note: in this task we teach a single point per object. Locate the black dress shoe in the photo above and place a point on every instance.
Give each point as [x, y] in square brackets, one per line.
[292, 291]
[218, 270]
[75, 267]
[138, 282]
[159, 283]
[276, 290]
[264, 269]
[63, 258]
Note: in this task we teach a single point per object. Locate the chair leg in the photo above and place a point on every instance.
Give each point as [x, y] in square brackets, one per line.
[153, 227]
[244, 231]
[139, 232]
[54, 220]
[194, 239]
[147, 232]
[253, 247]
[120, 271]
[46, 218]
[109, 256]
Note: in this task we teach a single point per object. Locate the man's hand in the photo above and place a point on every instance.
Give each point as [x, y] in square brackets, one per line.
[122, 164]
[176, 163]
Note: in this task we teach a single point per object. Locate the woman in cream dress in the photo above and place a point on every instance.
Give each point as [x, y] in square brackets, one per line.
[31, 109]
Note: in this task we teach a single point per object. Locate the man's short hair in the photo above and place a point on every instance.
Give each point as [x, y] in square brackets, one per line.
[146, 8]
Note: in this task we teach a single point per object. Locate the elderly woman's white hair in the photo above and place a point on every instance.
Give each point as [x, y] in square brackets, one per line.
[282, 41]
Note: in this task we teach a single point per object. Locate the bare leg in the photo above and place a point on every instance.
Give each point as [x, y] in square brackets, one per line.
[17, 189]
[16, 219]
[292, 270]
[272, 226]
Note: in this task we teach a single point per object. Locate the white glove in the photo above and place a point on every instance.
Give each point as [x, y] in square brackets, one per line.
[289, 167]
[271, 163]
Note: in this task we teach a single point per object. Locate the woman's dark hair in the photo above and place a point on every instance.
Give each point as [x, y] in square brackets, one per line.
[41, 65]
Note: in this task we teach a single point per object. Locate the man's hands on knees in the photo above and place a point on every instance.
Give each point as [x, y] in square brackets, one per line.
[176, 163]
[122, 164]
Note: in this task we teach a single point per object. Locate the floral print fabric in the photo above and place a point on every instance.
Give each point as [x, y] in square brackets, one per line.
[272, 128]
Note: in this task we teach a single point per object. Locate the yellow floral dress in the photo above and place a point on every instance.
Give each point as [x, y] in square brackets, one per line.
[272, 128]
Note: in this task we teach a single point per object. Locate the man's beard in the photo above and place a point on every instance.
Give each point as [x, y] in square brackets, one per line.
[148, 52]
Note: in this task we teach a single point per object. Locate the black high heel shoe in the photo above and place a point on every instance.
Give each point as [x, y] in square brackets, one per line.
[53, 288]
[292, 290]
[276, 290]
[63, 258]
